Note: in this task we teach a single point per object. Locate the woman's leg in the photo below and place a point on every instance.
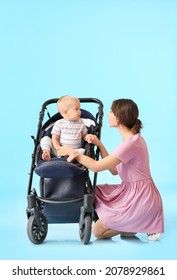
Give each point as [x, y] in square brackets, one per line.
[102, 232]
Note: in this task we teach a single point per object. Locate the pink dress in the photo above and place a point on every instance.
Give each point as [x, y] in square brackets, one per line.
[135, 205]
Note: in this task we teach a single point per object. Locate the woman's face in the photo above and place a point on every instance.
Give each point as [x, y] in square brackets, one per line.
[112, 119]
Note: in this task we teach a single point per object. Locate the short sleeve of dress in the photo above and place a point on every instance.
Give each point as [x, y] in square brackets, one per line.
[126, 150]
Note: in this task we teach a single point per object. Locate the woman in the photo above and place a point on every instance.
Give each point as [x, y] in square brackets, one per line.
[134, 205]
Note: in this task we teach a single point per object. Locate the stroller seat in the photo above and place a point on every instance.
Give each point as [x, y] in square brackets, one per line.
[58, 168]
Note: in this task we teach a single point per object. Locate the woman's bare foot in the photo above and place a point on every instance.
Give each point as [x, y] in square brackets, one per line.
[46, 155]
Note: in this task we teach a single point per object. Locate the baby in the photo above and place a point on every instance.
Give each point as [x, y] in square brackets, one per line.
[68, 132]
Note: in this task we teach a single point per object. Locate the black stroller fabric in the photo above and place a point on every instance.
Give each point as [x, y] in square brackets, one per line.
[57, 168]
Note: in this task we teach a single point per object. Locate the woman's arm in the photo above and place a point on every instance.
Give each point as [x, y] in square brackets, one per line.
[104, 153]
[107, 163]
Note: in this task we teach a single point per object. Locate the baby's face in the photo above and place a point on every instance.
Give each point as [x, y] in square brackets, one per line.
[74, 112]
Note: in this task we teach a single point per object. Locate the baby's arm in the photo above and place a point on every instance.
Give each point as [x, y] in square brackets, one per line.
[56, 142]
[61, 150]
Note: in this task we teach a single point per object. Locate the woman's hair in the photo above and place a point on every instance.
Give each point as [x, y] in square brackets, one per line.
[65, 102]
[126, 111]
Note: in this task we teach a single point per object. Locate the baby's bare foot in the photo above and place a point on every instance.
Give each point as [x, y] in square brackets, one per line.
[46, 155]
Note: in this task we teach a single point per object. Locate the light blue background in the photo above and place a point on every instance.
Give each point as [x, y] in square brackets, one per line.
[106, 49]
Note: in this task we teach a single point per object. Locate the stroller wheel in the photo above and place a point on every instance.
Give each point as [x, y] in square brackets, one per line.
[37, 234]
[85, 230]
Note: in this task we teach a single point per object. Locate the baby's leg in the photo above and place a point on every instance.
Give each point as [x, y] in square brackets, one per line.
[46, 145]
[45, 155]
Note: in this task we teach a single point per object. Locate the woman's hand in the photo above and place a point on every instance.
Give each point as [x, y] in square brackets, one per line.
[73, 155]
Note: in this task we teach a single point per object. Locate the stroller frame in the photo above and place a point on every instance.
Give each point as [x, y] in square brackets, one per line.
[37, 226]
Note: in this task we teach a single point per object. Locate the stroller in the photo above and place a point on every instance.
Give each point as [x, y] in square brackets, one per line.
[66, 189]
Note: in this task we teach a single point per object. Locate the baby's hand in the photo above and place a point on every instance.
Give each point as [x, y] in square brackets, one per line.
[64, 151]
[89, 138]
